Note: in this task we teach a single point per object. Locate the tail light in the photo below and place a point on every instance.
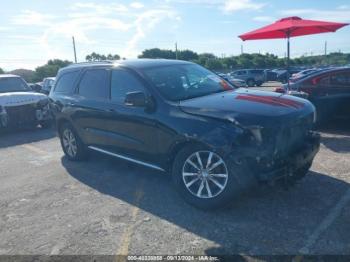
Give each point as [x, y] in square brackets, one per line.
[280, 90]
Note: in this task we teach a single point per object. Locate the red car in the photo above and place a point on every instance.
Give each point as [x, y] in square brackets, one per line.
[328, 90]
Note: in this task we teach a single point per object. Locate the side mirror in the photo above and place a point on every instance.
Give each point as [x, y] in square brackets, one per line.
[136, 99]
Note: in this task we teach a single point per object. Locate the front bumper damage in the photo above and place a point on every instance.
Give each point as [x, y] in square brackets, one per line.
[266, 166]
[31, 114]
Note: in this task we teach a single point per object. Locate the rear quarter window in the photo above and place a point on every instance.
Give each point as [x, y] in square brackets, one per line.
[66, 82]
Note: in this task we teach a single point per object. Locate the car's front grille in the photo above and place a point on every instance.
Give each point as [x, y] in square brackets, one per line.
[18, 115]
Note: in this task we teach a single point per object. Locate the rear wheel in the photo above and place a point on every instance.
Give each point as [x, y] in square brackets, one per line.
[204, 178]
[259, 83]
[71, 144]
[250, 82]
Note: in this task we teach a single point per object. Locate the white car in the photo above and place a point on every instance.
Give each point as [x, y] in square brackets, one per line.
[20, 106]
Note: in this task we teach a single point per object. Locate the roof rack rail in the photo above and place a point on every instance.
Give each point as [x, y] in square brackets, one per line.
[94, 62]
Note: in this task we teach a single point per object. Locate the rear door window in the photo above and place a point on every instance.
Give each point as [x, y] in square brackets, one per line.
[341, 80]
[66, 82]
[95, 84]
[124, 82]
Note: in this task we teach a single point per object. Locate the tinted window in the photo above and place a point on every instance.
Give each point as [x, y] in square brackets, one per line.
[239, 73]
[340, 80]
[324, 81]
[65, 83]
[13, 84]
[123, 82]
[95, 84]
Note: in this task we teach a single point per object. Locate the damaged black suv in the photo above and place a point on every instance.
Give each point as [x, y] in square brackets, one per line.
[174, 116]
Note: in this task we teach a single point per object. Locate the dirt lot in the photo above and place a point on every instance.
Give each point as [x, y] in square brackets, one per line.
[106, 206]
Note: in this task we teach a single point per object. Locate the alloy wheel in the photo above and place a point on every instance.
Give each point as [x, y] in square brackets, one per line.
[69, 142]
[205, 174]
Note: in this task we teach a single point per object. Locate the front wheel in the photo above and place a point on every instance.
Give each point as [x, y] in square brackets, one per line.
[71, 144]
[204, 178]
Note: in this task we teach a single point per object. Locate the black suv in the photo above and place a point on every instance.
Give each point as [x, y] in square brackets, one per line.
[178, 117]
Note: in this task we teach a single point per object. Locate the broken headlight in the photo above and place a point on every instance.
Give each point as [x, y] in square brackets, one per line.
[256, 132]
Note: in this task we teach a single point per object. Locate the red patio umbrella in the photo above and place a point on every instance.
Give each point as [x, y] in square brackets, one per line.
[290, 27]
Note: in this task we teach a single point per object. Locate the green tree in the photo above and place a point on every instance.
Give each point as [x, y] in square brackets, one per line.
[158, 53]
[187, 55]
[1, 71]
[98, 57]
[50, 69]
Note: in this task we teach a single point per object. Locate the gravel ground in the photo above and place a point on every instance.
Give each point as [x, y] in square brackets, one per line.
[49, 205]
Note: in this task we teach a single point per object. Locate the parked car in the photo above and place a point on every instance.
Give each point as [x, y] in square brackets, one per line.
[328, 90]
[20, 106]
[35, 87]
[48, 83]
[234, 81]
[251, 76]
[178, 117]
[283, 76]
[270, 75]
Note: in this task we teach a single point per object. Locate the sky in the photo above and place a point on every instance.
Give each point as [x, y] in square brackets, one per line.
[33, 31]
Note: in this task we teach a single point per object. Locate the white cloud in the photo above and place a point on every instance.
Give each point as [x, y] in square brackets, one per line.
[137, 5]
[238, 5]
[100, 8]
[29, 17]
[339, 15]
[4, 28]
[84, 19]
[228, 6]
[145, 23]
[264, 19]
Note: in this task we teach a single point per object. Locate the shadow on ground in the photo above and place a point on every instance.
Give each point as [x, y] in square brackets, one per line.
[17, 137]
[264, 221]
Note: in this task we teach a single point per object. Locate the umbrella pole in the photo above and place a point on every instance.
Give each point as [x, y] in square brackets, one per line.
[288, 58]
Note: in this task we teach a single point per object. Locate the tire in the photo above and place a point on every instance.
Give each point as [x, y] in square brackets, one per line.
[75, 150]
[220, 197]
[259, 83]
[250, 82]
[302, 172]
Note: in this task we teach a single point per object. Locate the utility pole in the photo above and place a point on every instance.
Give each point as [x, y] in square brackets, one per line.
[176, 50]
[325, 48]
[75, 51]
[241, 49]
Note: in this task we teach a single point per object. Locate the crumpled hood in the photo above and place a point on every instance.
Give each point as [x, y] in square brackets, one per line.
[20, 98]
[250, 107]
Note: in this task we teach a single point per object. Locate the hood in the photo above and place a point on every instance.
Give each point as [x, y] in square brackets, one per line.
[20, 98]
[250, 107]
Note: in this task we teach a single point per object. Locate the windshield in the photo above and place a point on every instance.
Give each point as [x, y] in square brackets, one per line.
[181, 82]
[13, 84]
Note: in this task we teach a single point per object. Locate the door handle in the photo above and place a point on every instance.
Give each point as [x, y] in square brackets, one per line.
[70, 104]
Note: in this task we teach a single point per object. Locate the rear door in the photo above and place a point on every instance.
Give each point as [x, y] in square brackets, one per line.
[92, 107]
[338, 93]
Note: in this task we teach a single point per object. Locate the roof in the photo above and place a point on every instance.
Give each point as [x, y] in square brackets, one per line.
[132, 63]
[325, 71]
[7, 75]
